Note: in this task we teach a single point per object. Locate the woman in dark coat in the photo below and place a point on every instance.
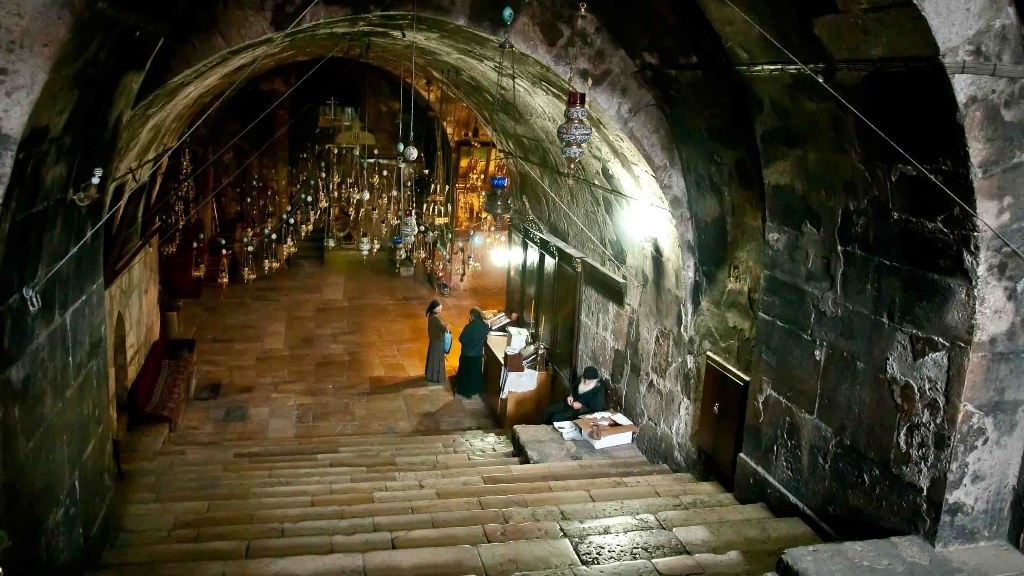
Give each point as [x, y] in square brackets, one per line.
[436, 329]
[469, 380]
[588, 397]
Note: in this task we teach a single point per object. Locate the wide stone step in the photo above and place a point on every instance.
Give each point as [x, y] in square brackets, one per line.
[194, 514]
[633, 552]
[470, 485]
[766, 535]
[217, 453]
[330, 527]
[731, 564]
[142, 489]
[497, 559]
[449, 519]
[331, 461]
[185, 438]
[195, 465]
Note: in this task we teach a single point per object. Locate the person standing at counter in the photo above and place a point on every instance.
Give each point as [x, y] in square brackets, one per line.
[436, 329]
[469, 380]
[589, 397]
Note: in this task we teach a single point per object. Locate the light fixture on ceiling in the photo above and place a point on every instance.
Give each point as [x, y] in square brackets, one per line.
[89, 191]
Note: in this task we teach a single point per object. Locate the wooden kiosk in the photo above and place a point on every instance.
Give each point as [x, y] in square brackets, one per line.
[547, 282]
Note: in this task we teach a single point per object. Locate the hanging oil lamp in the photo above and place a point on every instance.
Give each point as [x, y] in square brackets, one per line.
[575, 132]
[222, 274]
[364, 245]
[497, 201]
[198, 259]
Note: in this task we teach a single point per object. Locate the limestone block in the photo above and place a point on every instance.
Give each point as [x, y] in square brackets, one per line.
[423, 562]
[294, 546]
[508, 558]
[611, 525]
[329, 527]
[431, 537]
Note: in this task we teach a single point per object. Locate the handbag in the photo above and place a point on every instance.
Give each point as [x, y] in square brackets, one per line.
[447, 341]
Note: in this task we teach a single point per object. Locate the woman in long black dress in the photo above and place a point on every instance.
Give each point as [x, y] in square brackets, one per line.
[588, 397]
[436, 329]
[469, 380]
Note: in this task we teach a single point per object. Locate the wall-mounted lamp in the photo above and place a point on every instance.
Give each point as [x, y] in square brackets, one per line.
[89, 191]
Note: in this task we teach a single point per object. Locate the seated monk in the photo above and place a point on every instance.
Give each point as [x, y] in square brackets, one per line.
[588, 397]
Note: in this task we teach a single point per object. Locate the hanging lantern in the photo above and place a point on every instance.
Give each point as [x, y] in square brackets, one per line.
[364, 245]
[409, 226]
[497, 201]
[410, 152]
[222, 274]
[575, 132]
[198, 261]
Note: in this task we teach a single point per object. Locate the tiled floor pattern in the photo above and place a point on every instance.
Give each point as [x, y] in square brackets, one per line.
[325, 350]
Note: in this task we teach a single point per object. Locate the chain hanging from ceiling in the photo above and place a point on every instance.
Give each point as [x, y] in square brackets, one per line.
[575, 132]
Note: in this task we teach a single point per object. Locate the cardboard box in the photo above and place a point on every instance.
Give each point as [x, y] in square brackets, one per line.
[613, 432]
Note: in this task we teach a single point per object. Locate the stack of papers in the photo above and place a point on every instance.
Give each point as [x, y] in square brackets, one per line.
[568, 430]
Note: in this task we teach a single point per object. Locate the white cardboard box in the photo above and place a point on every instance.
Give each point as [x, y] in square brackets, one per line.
[621, 433]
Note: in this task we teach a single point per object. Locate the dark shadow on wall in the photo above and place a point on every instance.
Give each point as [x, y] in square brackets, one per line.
[56, 430]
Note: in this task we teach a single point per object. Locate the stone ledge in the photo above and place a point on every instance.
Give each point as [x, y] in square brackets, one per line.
[540, 443]
[902, 556]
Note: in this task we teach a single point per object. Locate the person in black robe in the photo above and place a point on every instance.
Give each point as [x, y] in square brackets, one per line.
[588, 397]
[434, 370]
[469, 380]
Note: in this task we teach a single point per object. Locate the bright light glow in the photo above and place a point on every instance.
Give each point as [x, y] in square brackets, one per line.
[499, 256]
[643, 221]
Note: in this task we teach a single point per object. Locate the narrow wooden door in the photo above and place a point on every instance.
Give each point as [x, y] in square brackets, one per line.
[723, 409]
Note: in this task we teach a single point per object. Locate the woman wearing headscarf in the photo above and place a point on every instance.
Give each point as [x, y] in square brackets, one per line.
[588, 397]
[469, 380]
[436, 329]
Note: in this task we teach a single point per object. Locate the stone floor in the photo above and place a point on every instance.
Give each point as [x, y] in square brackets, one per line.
[325, 350]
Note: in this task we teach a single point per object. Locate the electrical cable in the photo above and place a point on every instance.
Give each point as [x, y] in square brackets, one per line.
[878, 131]
[554, 196]
[30, 291]
[599, 187]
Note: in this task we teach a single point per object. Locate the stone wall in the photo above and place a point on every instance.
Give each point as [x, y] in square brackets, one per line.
[57, 431]
[863, 328]
[134, 298]
[34, 31]
[983, 494]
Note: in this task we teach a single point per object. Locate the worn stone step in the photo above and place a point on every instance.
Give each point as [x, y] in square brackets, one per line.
[139, 487]
[493, 559]
[340, 483]
[243, 497]
[191, 464]
[392, 523]
[775, 534]
[731, 564]
[185, 438]
[219, 453]
[374, 462]
[498, 495]
[227, 512]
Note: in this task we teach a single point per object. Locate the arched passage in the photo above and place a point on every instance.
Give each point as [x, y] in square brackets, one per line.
[799, 234]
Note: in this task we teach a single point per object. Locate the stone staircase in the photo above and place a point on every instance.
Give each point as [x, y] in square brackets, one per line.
[445, 504]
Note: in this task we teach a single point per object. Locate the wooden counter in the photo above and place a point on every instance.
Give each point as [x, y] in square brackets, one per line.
[526, 407]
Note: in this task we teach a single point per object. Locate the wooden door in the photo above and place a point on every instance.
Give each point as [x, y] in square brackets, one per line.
[722, 413]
